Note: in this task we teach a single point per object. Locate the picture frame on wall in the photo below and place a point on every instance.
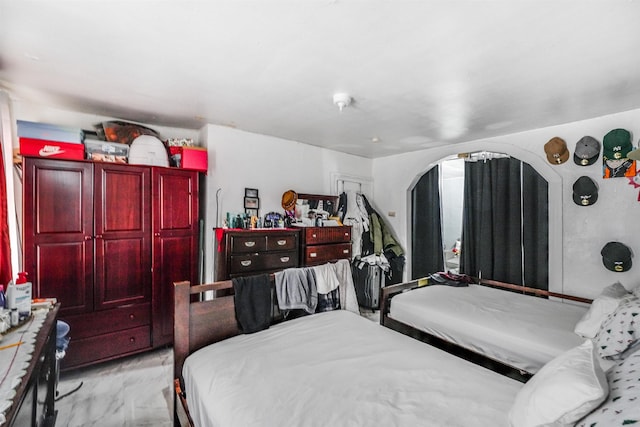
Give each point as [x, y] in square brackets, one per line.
[251, 192]
[251, 203]
[251, 212]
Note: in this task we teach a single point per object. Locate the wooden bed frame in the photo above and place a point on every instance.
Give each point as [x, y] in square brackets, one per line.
[199, 322]
[389, 292]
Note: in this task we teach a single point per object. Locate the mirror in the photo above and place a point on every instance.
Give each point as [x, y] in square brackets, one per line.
[316, 210]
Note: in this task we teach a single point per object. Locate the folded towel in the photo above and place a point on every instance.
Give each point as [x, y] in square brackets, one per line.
[252, 302]
[326, 279]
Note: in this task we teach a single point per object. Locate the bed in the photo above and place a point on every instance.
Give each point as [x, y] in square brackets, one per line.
[340, 369]
[515, 332]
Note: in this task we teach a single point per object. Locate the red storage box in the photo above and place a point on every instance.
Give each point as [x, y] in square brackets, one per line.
[54, 149]
[190, 158]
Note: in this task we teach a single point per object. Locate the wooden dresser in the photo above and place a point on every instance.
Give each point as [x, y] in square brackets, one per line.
[249, 252]
[325, 244]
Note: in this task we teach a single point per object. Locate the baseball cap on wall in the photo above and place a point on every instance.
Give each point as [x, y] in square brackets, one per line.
[556, 150]
[616, 144]
[585, 191]
[587, 151]
[616, 256]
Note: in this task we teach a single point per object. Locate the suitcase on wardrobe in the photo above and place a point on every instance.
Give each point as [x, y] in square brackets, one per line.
[368, 280]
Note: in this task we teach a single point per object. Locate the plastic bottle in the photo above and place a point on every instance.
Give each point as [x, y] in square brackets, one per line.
[22, 277]
[3, 299]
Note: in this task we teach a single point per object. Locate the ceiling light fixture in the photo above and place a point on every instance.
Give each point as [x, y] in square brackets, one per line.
[342, 100]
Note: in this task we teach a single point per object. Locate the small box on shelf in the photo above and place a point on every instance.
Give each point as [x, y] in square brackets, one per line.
[194, 158]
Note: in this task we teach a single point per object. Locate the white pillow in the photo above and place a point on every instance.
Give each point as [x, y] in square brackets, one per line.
[563, 391]
[605, 304]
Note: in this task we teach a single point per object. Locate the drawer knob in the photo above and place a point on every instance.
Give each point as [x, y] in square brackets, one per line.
[346, 234]
[245, 263]
[313, 255]
[345, 251]
[132, 316]
[282, 242]
[284, 259]
[314, 235]
[250, 244]
[132, 339]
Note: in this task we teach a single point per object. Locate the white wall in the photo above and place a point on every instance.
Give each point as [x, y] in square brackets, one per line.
[577, 234]
[239, 160]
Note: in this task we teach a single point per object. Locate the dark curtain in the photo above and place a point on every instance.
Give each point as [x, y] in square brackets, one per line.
[492, 226]
[427, 255]
[535, 232]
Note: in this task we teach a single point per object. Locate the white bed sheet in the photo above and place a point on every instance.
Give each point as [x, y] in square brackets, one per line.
[339, 369]
[523, 331]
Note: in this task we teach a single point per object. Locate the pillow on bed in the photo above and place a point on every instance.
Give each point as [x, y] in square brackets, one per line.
[621, 407]
[563, 391]
[620, 331]
[600, 308]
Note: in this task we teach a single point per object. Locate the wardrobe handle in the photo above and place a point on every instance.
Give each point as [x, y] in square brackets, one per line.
[250, 244]
[87, 237]
[313, 255]
[284, 259]
[245, 263]
[282, 242]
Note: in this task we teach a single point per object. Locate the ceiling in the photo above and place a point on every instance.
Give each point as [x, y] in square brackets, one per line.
[420, 73]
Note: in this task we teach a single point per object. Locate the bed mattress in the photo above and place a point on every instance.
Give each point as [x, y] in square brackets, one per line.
[339, 369]
[519, 330]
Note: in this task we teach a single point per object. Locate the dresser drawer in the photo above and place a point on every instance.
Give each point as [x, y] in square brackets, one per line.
[320, 235]
[106, 346]
[248, 243]
[314, 255]
[282, 242]
[248, 263]
[100, 322]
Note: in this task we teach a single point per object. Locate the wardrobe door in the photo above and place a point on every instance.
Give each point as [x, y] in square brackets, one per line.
[122, 235]
[175, 242]
[58, 231]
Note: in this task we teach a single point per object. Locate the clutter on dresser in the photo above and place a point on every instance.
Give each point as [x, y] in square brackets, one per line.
[311, 210]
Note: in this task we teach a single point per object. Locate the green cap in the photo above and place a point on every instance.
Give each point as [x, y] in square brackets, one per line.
[616, 144]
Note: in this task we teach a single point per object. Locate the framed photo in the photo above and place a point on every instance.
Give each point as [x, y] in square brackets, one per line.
[251, 203]
[251, 212]
[251, 192]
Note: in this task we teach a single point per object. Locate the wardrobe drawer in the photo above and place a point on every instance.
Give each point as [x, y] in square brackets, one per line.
[282, 242]
[101, 322]
[314, 255]
[247, 243]
[241, 264]
[320, 235]
[106, 346]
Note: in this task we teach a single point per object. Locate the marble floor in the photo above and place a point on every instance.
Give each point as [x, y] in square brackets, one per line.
[133, 391]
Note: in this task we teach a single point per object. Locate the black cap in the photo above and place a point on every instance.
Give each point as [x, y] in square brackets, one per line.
[616, 256]
[585, 191]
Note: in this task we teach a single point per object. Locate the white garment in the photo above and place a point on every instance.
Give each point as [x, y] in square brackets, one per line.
[326, 279]
[348, 299]
[358, 221]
